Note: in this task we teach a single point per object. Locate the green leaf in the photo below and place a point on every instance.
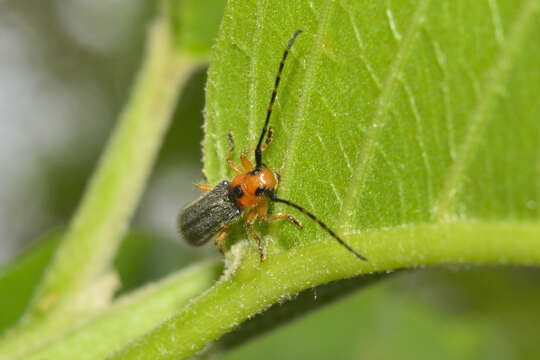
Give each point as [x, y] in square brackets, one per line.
[19, 278]
[442, 314]
[118, 324]
[131, 315]
[388, 114]
[411, 128]
[80, 279]
[194, 24]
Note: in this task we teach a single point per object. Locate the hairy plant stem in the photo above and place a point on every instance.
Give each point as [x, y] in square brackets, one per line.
[253, 287]
[79, 281]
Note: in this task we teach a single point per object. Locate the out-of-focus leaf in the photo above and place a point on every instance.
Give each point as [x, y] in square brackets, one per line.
[135, 263]
[18, 279]
[458, 314]
[195, 23]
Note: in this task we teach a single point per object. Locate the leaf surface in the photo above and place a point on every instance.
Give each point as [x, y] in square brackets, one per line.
[409, 127]
[388, 114]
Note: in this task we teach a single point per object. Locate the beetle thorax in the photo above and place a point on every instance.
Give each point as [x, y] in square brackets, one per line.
[248, 189]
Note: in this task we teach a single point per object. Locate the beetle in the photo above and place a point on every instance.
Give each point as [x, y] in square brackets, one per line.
[212, 215]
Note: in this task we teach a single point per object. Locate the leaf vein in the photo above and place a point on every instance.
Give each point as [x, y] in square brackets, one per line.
[253, 123]
[311, 64]
[496, 18]
[445, 88]
[362, 57]
[345, 156]
[365, 156]
[420, 140]
[399, 182]
[493, 85]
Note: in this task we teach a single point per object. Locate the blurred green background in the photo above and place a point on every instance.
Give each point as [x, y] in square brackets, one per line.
[66, 70]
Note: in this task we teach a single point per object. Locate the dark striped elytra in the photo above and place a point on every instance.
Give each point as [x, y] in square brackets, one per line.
[249, 192]
[203, 218]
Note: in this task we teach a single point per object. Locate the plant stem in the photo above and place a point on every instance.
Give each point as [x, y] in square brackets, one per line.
[132, 315]
[78, 281]
[254, 287]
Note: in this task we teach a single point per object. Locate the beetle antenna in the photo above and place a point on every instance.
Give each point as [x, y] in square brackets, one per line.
[274, 198]
[258, 151]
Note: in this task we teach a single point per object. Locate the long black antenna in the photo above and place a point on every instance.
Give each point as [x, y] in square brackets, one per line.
[274, 198]
[258, 151]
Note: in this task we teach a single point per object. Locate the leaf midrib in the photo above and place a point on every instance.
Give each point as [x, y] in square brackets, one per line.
[365, 155]
[307, 89]
[254, 122]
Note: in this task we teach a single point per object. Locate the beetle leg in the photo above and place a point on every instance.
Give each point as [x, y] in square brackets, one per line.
[262, 210]
[233, 166]
[219, 239]
[267, 142]
[204, 187]
[245, 161]
[268, 138]
[249, 223]
[243, 157]
[291, 218]
[205, 175]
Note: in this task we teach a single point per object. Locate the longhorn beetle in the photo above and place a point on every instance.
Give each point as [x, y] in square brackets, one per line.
[214, 212]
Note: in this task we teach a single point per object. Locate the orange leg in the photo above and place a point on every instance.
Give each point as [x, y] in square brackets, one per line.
[291, 218]
[249, 223]
[220, 237]
[233, 166]
[243, 157]
[268, 138]
[262, 210]
[204, 187]
[245, 161]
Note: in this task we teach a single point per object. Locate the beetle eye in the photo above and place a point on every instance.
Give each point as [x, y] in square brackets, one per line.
[237, 191]
[260, 190]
